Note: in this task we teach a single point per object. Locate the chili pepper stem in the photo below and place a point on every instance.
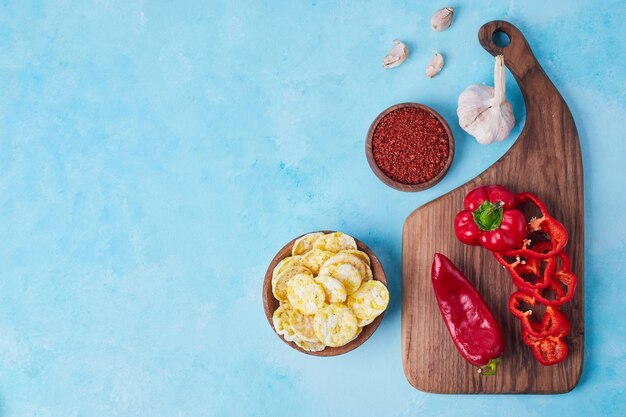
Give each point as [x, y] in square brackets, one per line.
[489, 369]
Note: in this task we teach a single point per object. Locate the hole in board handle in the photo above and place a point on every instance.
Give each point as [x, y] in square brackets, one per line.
[501, 39]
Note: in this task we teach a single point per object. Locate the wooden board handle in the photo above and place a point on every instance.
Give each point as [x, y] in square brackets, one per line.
[518, 56]
[536, 87]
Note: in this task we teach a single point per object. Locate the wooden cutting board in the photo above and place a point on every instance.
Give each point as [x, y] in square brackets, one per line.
[545, 160]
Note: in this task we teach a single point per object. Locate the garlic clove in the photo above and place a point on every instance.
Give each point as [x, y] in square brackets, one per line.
[442, 19]
[484, 111]
[435, 65]
[396, 55]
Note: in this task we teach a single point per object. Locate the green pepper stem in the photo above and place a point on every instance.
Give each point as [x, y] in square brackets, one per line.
[489, 369]
[488, 216]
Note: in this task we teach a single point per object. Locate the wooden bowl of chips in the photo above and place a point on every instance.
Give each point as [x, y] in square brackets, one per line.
[271, 304]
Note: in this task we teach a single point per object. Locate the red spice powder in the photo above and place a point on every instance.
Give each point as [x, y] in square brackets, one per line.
[410, 145]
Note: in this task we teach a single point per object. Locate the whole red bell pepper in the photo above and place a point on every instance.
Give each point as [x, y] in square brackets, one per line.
[472, 326]
[490, 219]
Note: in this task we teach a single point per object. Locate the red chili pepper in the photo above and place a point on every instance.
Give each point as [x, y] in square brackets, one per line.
[523, 269]
[490, 219]
[548, 350]
[546, 224]
[473, 328]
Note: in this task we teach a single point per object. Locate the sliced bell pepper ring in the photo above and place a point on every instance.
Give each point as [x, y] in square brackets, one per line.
[564, 277]
[524, 197]
[523, 269]
[515, 303]
[546, 224]
[548, 350]
[553, 323]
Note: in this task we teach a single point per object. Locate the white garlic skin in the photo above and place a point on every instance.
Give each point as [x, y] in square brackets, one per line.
[435, 65]
[480, 118]
[442, 19]
[397, 55]
[484, 111]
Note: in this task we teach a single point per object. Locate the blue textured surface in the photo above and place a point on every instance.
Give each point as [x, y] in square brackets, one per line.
[155, 156]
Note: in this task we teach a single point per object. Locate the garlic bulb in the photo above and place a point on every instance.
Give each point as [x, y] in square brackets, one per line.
[434, 66]
[397, 55]
[484, 111]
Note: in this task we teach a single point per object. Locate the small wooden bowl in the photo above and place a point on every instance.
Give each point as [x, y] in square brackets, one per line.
[271, 304]
[391, 182]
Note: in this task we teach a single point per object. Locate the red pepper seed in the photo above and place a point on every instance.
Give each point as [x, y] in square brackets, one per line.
[410, 145]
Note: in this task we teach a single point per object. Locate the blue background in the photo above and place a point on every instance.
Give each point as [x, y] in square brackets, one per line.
[155, 155]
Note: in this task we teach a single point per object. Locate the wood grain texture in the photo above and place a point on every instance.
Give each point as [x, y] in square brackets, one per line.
[270, 304]
[545, 160]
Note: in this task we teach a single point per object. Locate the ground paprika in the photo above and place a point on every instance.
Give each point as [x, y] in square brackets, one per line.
[410, 145]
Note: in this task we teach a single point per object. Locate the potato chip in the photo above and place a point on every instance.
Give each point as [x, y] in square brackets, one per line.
[304, 294]
[314, 259]
[347, 269]
[359, 254]
[315, 346]
[281, 320]
[279, 284]
[358, 332]
[364, 322]
[333, 289]
[305, 243]
[335, 242]
[302, 326]
[347, 274]
[285, 263]
[335, 325]
[370, 300]
[368, 275]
